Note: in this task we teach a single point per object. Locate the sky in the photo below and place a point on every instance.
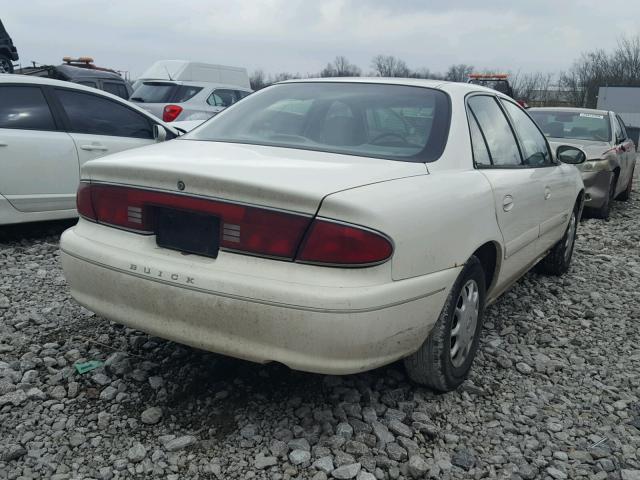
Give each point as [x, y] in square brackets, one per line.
[302, 36]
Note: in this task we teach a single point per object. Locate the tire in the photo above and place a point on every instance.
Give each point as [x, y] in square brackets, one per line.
[626, 194]
[433, 365]
[604, 211]
[558, 260]
[5, 64]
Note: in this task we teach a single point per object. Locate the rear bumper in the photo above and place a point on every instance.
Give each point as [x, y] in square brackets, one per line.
[308, 318]
[596, 185]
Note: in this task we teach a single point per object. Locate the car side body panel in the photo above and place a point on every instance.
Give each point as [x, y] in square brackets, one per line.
[407, 209]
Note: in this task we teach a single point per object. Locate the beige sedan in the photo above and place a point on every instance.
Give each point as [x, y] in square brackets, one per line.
[611, 154]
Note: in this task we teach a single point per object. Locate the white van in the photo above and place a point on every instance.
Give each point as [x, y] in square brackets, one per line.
[188, 91]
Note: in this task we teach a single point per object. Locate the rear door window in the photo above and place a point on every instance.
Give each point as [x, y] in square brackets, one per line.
[497, 132]
[92, 114]
[24, 107]
[222, 98]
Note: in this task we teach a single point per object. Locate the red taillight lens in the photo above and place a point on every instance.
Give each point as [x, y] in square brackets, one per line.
[171, 112]
[83, 201]
[243, 228]
[338, 244]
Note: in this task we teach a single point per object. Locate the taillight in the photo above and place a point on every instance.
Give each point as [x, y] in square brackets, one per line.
[331, 243]
[83, 201]
[243, 228]
[171, 112]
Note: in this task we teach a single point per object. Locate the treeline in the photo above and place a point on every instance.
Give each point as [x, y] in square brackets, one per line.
[578, 85]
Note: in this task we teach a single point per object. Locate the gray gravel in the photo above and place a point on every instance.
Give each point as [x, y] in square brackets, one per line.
[554, 393]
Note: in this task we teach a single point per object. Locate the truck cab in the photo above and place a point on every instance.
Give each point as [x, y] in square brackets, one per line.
[8, 51]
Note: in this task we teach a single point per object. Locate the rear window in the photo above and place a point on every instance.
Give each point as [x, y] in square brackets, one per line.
[163, 92]
[395, 122]
[573, 125]
[118, 89]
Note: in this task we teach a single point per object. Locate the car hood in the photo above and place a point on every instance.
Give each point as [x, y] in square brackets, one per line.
[593, 148]
[285, 178]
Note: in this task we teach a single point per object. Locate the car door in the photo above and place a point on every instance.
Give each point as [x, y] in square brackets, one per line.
[100, 126]
[557, 179]
[38, 160]
[518, 192]
[626, 152]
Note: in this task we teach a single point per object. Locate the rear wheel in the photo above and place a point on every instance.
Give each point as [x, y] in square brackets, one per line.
[605, 209]
[624, 196]
[558, 260]
[444, 360]
[5, 64]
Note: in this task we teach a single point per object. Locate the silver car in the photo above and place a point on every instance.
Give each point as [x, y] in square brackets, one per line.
[611, 154]
[185, 100]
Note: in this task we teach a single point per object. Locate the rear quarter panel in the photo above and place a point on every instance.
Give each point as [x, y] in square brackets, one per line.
[436, 221]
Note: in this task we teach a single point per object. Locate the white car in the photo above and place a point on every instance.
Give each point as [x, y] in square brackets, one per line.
[331, 225]
[48, 130]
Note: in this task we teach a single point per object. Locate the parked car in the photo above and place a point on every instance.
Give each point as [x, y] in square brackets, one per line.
[48, 130]
[330, 225]
[84, 72]
[182, 90]
[186, 101]
[611, 154]
[8, 51]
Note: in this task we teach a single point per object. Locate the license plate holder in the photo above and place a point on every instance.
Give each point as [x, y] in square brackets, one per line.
[188, 232]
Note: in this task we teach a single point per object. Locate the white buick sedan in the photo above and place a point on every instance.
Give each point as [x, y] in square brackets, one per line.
[331, 225]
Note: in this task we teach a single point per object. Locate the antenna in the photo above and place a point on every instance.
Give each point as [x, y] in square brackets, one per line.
[168, 74]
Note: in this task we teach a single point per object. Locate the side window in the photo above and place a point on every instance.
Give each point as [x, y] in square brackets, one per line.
[620, 125]
[222, 98]
[499, 138]
[534, 146]
[25, 108]
[88, 83]
[478, 145]
[89, 113]
[241, 94]
[618, 130]
[116, 89]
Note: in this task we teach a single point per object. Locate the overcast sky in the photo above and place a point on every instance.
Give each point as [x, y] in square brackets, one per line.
[303, 35]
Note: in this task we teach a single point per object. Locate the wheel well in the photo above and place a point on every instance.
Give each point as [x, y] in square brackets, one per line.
[579, 203]
[488, 256]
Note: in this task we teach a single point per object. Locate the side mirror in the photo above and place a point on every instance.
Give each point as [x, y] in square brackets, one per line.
[570, 155]
[159, 133]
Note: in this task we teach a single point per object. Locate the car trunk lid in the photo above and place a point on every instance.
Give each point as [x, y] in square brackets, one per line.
[282, 178]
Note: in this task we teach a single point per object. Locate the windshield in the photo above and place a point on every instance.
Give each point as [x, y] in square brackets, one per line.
[163, 92]
[376, 120]
[573, 125]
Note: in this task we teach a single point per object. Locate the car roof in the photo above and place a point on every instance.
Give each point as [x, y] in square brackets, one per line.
[79, 72]
[459, 87]
[569, 110]
[31, 80]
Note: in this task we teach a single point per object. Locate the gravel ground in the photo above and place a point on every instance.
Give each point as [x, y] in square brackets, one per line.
[554, 392]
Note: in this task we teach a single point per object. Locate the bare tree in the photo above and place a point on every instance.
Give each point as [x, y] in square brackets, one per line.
[341, 67]
[459, 72]
[257, 80]
[389, 66]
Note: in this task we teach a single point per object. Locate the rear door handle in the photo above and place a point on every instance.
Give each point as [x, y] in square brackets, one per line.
[90, 148]
[547, 193]
[507, 203]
